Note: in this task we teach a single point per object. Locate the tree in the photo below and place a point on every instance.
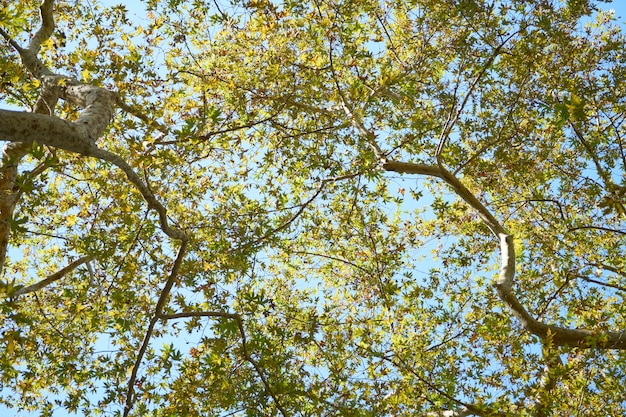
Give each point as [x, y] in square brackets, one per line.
[346, 207]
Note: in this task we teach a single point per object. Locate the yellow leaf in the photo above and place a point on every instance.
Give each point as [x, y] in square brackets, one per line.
[70, 220]
[86, 75]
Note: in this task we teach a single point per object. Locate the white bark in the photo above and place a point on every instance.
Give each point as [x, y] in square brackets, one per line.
[79, 136]
[504, 285]
[46, 130]
[464, 412]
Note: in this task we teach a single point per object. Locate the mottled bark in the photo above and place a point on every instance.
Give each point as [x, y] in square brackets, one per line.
[52, 278]
[12, 154]
[504, 285]
[22, 129]
[43, 127]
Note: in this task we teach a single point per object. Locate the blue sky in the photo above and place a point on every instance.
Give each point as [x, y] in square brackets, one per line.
[136, 10]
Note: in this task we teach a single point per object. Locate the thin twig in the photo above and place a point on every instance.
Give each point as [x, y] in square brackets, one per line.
[604, 229]
[598, 282]
[453, 120]
[244, 346]
[368, 135]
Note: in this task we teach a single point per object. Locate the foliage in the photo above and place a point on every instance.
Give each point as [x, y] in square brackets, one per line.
[341, 207]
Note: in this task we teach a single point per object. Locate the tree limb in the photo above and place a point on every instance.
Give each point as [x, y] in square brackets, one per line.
[78, 137]
[356, 121]
[549, 379]
[244, 346]
[13, 153]
[54, 277]
[463, 409]
[23, 129]
[453, 120]
[598, 282]
[557, 336]
[163, 297]
[145, 191]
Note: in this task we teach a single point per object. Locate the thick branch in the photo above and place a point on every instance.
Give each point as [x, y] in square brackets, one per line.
[54, 277]
[29, 54]
[47, 26]
[413, 168]
[13, 153]
[143, 189]
[558, 336]
[23, 129]
[459, 188]
[48, 130]
[78, 137]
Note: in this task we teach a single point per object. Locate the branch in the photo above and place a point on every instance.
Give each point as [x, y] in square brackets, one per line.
[141, 116]
[54, 277]
[256, 366]
[244, 346]
[165, 292]
[47, 26]
[333, 258]
[208, 135]
[188, 314]
[452, 121]
[293, 218]
[356, 122]
[462, 412]
[613, 269]
[604, 229]
[10, 40]
[78, 137]
[413, 168]
[620, 142]
[28, 128]
[145, 191]
[29, 54]
[303, 206]
[549, 379]
[598, 282]
[13, 153]
[606, 177]
[558, 336]
[464, 408]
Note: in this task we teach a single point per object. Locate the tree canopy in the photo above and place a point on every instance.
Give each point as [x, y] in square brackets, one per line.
[305, 208]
